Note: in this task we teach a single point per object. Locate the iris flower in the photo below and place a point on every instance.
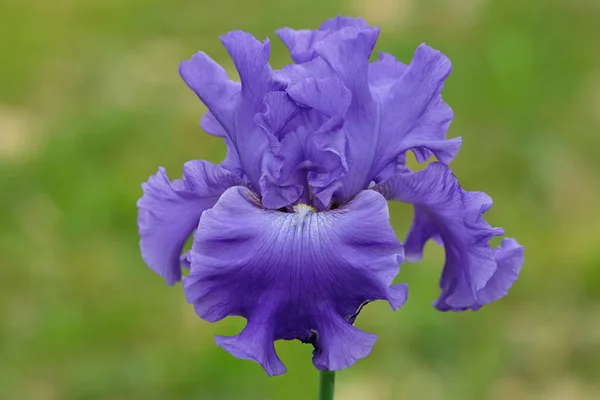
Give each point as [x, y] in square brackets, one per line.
[291, 231]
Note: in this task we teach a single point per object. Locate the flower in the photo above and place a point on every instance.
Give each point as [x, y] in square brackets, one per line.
[291, 231]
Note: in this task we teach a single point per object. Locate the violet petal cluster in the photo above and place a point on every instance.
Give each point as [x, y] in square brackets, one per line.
[291, 231]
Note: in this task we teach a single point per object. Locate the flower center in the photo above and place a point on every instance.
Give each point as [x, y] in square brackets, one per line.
[302, 210]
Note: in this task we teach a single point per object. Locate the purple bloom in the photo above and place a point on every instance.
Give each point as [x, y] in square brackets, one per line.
[291, 231]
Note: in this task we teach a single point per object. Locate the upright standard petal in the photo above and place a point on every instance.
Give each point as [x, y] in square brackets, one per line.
[386, 71]
[413, 114]
[394, 107]
[212, 86]
[301, 43]
[234, 105]
[325, 148]
[347, 53]
[474, 274]
[301, 275]
[312, 148]
[168, 213]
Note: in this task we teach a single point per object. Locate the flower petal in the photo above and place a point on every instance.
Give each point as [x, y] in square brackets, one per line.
[386, 71]
[292, 73]
[393, 108]
[234, 106]
[326, 147]
[277, 186]
[347, 52]
[328, 95]
[313, 147]
[280, 110]
[327, 150]
[232, 162]
[251, 59]
[413, 114]
[301, 43]
[211, 125]
[212, 86]
[221, 96]
[443, 208]
[300, 275]
[169, 212]
[510, 257]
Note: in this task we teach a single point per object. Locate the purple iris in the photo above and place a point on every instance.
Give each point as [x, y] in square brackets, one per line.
[291, 231]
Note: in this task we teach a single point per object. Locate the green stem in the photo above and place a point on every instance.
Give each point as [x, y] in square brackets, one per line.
[326, 385]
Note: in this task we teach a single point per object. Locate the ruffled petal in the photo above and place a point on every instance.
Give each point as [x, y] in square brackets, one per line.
[212, 86]
[293, 73]
[327, 150]
[312, 150]
[251, 59]
[413, 114]
[393, 168]
[300, 275]
[384, 72]
[168, 213]
[474, 274]
[510, 257]
[211, 125]
[278, 186]
[234, 105]
[403, 111]
[326, 147]
[232, 162]
[347, 52]
[328, 95]
[279, 111]
[301, 43]
[284, 179]
[393, 108]
[387, 108]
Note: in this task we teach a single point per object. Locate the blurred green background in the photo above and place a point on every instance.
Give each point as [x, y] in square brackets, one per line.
[91, 103]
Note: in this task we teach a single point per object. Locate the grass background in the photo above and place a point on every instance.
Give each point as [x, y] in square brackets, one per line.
[91, 104]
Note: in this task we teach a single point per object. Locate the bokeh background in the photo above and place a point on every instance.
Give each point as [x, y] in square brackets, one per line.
[91, 103]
